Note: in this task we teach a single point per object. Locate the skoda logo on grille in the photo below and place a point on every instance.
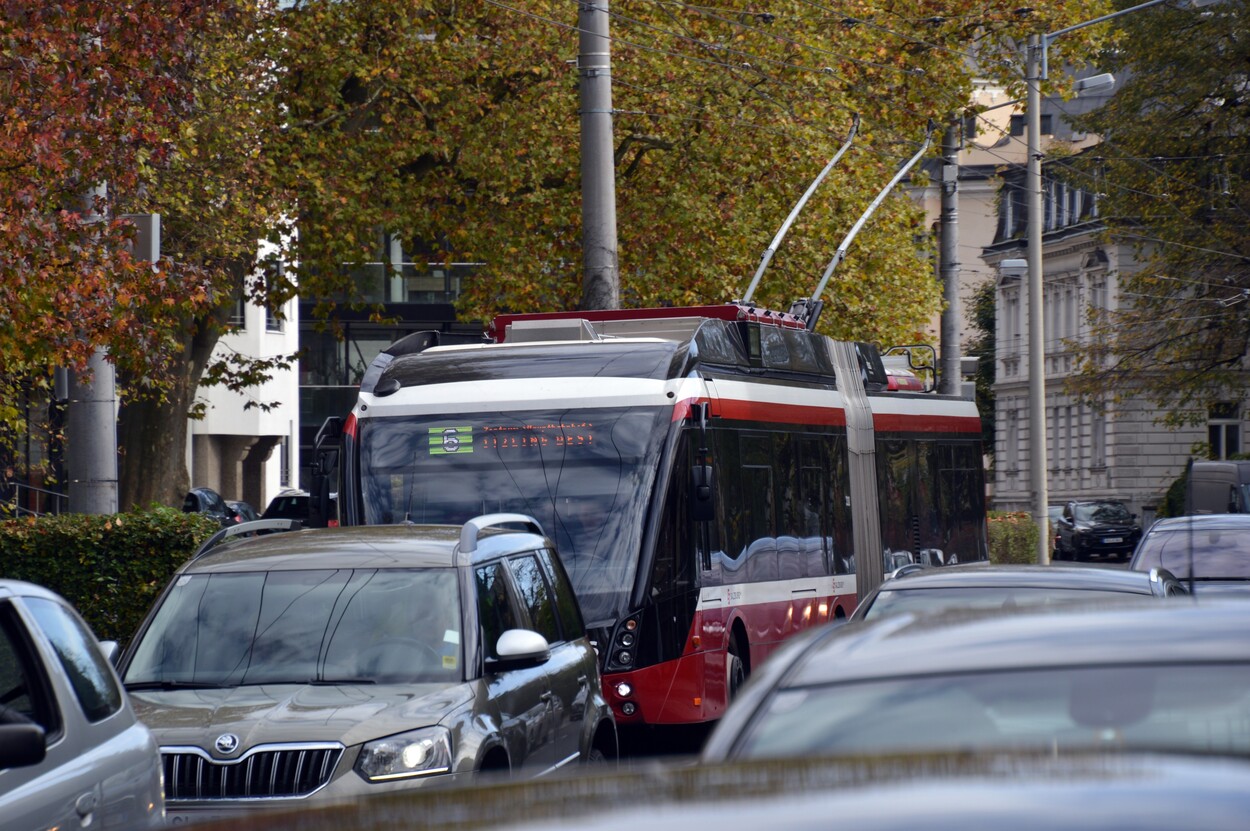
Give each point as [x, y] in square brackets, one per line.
[226, 743]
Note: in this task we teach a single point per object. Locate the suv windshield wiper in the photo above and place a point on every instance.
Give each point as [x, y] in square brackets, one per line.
[173, 685]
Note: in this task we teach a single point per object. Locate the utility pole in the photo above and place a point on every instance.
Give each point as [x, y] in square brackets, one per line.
[1037, 335]
[948, 262]
[601, 283]
[91, 417]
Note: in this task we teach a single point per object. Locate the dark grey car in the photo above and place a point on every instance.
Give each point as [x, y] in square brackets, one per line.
[1211, 552]
[987, 586]
[1168, 676]
[319, 664]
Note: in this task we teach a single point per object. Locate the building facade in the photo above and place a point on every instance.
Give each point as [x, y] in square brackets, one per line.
[1120, 452]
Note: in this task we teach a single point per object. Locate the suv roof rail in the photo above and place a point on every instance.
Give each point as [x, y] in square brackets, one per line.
[471, 529]
[246, 528]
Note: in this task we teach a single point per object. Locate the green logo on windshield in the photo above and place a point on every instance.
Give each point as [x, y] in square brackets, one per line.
[445, 440]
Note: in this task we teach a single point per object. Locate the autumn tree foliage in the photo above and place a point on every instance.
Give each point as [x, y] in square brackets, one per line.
[89, 102]
[1174, 179]
[321, 124]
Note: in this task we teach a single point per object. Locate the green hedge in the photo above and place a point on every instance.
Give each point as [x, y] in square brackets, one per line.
[1012, 537]
[110, 567]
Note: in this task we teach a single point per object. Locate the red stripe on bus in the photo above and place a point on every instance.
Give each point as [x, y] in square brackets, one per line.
[924, 423]
[768, 411]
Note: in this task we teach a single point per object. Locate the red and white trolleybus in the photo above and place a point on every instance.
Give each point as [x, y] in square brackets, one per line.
[716, 479]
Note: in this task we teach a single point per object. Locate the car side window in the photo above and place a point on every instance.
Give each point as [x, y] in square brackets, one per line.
[494, 606]
[566, 600]
[89, 675]
[25, 693]
[535, 596]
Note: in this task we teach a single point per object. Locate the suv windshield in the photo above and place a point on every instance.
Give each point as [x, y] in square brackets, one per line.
[369, 625]
[586, 475]
[1102, 512]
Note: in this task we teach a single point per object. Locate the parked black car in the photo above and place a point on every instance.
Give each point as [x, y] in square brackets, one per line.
[1095, 528]
[243, 511]
[1211, 552]
[208, 501]
[989, 586]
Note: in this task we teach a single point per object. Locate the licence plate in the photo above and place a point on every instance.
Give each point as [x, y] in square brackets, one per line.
[1110, 540]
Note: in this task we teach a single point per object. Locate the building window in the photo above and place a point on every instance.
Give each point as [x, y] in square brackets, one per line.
[273, 322]
[1013, 440]
[1019, 124]
[1224, 430]
[238, 315]
[284, 462]
[1098, 439]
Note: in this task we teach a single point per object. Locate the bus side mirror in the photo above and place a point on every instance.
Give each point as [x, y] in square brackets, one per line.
[702, 494]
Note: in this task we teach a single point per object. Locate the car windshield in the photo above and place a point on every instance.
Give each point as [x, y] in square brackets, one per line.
[1102, 512]
[1204, 708]
[585, 475]
[371, 625]
[1211, 554]
[924, 601]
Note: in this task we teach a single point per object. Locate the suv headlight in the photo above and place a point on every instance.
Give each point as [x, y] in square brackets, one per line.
[421, 752]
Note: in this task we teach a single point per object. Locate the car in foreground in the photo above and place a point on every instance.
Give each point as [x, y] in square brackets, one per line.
[934, 792]
[1172, 676]
[1209, 552]
[1095, 528]
[72, 753]
[989, 586]
[313, 665]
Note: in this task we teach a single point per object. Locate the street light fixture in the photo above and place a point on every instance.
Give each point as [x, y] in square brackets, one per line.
[1037, 70]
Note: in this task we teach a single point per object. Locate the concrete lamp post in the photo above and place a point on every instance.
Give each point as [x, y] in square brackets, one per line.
[1037, 70]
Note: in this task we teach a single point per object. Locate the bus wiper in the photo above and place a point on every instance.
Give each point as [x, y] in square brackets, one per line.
[306, 682]
[137, 686]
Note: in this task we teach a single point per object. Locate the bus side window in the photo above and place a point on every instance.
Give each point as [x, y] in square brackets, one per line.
[673, 571]
[758, 506]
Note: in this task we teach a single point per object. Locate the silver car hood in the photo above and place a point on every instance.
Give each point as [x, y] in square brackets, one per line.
[278, 713]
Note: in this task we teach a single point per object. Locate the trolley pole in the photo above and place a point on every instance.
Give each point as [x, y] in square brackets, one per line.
[601, 285]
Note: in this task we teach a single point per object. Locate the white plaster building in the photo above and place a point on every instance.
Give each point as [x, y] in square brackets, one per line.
[244, 452]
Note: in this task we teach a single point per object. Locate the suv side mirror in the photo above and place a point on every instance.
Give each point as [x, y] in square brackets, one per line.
[520, 648]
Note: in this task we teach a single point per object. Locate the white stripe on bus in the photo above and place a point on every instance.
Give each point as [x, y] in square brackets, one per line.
[774, 591]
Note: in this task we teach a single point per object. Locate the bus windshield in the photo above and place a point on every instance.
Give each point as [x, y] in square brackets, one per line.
[585, 475]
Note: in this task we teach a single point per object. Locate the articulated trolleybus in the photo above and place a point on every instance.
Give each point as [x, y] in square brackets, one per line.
[715, 479]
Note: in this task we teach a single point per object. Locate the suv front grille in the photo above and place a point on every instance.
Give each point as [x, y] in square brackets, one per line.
[265, 772]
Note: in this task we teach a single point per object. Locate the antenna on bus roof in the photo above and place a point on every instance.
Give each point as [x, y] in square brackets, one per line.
[808, 309]
[785, 226]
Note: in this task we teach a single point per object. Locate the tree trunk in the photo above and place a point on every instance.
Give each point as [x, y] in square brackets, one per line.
[152, 435]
